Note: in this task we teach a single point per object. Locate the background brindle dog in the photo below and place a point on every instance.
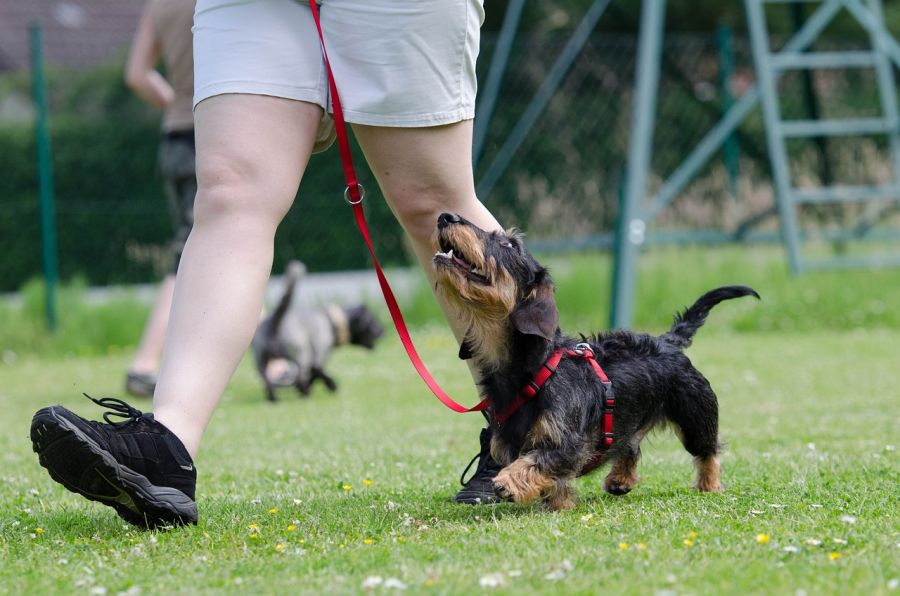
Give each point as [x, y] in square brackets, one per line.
[305, 338]
[506, 299]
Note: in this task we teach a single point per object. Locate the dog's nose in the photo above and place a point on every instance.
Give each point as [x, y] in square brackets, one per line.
[448, 218]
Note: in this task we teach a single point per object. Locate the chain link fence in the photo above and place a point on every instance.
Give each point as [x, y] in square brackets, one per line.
[562, 186]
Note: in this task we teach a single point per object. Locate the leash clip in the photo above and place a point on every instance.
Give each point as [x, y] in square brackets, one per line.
[362, 194]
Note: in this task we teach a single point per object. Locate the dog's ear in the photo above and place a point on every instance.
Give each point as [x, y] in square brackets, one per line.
[537, 313]
[465, 350]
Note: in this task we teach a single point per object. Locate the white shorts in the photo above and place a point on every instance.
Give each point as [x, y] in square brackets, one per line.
[404, 63]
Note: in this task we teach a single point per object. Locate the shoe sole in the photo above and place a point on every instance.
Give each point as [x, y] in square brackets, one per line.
[77, 462]
[474, 496]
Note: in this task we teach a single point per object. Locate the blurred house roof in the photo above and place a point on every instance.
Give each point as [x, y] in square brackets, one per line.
[76, 33]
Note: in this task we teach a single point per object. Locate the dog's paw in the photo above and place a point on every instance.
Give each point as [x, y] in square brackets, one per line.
[710, 487]
[617, 489]
[521, 483]
[621, 479]
[501, 491]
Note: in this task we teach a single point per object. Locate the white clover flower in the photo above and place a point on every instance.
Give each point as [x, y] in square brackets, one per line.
[493, 580]
[394, 583]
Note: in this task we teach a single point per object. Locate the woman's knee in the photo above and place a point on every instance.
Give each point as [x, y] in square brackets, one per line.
[230, 188]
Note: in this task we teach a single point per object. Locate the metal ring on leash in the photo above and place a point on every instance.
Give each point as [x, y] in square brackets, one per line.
[362, 194]
[584, 348]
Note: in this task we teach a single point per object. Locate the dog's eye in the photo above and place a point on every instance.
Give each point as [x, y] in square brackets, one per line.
[506, 244]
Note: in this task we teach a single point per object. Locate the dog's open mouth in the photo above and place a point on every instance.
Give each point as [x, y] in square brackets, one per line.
[452, 256]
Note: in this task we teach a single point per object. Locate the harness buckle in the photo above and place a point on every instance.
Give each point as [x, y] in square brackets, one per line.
[583, 349]
[362, 194]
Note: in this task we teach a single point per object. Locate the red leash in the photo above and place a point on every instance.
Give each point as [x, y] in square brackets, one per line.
[354, 194]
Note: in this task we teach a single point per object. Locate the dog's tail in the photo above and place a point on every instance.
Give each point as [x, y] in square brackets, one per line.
[292, 275]
[693, 317]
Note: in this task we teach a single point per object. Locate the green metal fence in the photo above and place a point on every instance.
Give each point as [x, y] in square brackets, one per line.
[562, 184]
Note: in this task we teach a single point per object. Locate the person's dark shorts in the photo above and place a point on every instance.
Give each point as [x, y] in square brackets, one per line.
[178, 170]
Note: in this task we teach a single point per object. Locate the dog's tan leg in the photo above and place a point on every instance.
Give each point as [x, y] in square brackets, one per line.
[561, 496]
[708, 471]
[522, 482]
[622, 477]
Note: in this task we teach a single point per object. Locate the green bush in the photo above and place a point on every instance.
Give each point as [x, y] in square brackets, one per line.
[85, 326]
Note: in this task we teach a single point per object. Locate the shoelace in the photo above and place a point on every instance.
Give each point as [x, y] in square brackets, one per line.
[482, 457]
[118, 408]
[462, 477]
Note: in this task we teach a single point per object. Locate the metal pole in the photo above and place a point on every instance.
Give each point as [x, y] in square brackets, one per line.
[813, 109]
[499, 60]
[887, 86]
[45, 179]
[632, 227]
[781, 175]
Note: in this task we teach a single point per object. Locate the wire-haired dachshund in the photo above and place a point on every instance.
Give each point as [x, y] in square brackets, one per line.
[563, 406]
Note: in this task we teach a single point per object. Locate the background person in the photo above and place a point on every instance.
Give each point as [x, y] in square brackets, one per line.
[164, 37]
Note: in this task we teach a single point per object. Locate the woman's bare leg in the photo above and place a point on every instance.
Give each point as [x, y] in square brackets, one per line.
[424, 172]
[251, 153]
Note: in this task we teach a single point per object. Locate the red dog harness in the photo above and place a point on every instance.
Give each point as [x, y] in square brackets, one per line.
[543, 375]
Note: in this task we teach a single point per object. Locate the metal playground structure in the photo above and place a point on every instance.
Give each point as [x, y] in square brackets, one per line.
[638, 210]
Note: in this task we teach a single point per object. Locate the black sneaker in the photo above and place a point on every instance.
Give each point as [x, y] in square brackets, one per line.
[479, 488]
[137, 466]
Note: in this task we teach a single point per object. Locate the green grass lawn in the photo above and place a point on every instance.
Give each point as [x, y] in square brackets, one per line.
[324, 494]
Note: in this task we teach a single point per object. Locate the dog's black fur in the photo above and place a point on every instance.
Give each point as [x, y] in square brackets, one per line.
[507, 300]
[305, 338]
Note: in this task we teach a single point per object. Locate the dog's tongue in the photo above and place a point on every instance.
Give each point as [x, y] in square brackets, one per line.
[461, 262]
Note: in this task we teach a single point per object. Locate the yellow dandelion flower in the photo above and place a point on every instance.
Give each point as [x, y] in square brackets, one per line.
[279, 547]
[340, 546]
[834, 556]
[623, 546]
[348, 487]
[273, 510]
[254, 536]
[39, 530]
[367, 482]
[253, 527]
[368, 541]
[762, 538]
[692, 535]
[291, 528]
[641, 546]
[688, 543]
[303, 541]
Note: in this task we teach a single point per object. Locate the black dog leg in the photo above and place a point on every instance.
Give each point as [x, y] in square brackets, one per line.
[696, 417]
[318, 373]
